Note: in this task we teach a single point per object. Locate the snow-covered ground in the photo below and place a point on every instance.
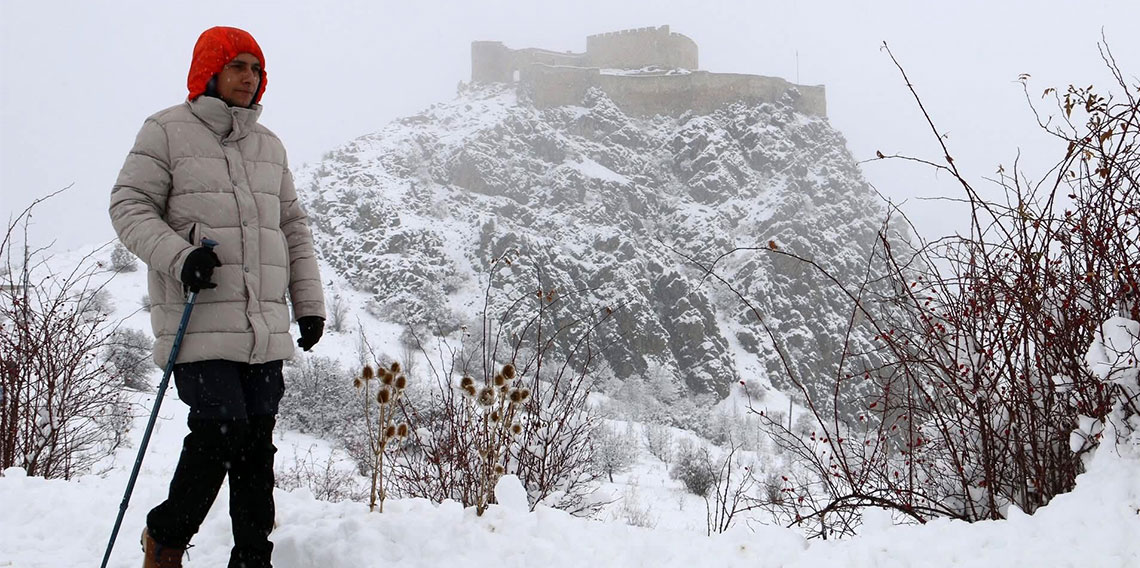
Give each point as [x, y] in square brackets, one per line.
[66, 523]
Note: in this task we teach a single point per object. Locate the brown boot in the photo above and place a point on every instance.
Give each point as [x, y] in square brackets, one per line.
[156, 555]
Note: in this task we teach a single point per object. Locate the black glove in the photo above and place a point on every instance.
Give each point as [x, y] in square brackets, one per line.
[199, 269]
[312, 328]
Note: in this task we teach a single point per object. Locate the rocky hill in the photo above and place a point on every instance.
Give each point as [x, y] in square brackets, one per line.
[607, 206]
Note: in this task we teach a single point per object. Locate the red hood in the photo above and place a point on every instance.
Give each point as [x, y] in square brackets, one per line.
[216, 47]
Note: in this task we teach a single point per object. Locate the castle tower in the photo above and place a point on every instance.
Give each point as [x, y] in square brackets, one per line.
[642, 47]
[491, 62]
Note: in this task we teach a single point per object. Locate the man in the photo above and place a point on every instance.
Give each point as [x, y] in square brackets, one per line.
[206, 169]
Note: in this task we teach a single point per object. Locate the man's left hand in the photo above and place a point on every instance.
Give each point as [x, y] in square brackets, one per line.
[312, 328]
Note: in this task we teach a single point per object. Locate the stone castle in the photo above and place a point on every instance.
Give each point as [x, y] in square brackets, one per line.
[645, 71]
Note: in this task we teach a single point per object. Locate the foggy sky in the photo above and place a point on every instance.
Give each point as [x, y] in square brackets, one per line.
[78, 78]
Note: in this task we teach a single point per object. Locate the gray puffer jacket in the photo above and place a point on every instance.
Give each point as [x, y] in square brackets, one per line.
[205, 169]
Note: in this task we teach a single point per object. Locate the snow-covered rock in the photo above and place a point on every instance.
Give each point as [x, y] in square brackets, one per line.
[607, 206]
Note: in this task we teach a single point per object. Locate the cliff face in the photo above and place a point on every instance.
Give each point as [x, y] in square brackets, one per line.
[607, 205]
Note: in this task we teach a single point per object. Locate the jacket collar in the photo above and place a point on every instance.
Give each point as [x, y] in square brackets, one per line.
[230, 123]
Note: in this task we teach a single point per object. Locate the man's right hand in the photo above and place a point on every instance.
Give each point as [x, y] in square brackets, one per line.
[199, 269]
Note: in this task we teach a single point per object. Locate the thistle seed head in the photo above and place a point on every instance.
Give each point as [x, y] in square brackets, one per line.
[384, 395]
[402, 430]
[466, 381]
[499, 380]
[395, 367]
[385, 377]
[509, 371]
[499, 470]
[495, 416]
[401, 382]
[516, 429]
[524, 393]
[469, 390]
[486, 396]
[357, 382]
[367, 374]
[389, 432]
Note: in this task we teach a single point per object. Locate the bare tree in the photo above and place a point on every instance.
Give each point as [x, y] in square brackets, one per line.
[614, 452]
[659, 440]
[122, 260]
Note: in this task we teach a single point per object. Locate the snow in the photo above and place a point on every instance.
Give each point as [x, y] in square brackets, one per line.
[56, 523]
[593, 169]
[1114, 354]
[66, 523]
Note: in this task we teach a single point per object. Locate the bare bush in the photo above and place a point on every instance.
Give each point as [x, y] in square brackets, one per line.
[732, 484]
[550, 347]
[978, 376]
[633, 512]
[329, 480]
[338, 312]
[320, 400]
[693, 467]
[62, 409]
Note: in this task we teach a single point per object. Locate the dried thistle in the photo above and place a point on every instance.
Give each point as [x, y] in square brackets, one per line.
[499, 470]
[465, 382]
[499, 380]
[469, 390]
[385, 377]
[384, 395]
[495, 416]
[516, 429]
[357, 382]
[509, 371]
[524, 393]
[395, 367]
[402, 430]
[389, 432]
[368, 373]
[486, 396]
[401, 382]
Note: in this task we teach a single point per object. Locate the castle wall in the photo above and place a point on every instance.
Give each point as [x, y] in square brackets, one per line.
[673, 95]
[550, 86]
[525, 57]
[493, 62]
[642, 47]
[554, 78]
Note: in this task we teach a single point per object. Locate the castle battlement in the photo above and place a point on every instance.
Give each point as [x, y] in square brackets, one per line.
[669, 82]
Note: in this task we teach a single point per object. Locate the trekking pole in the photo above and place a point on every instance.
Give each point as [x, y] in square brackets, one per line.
[209, 244]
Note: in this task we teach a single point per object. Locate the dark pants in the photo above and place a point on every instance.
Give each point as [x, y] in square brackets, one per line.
[233, 408]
